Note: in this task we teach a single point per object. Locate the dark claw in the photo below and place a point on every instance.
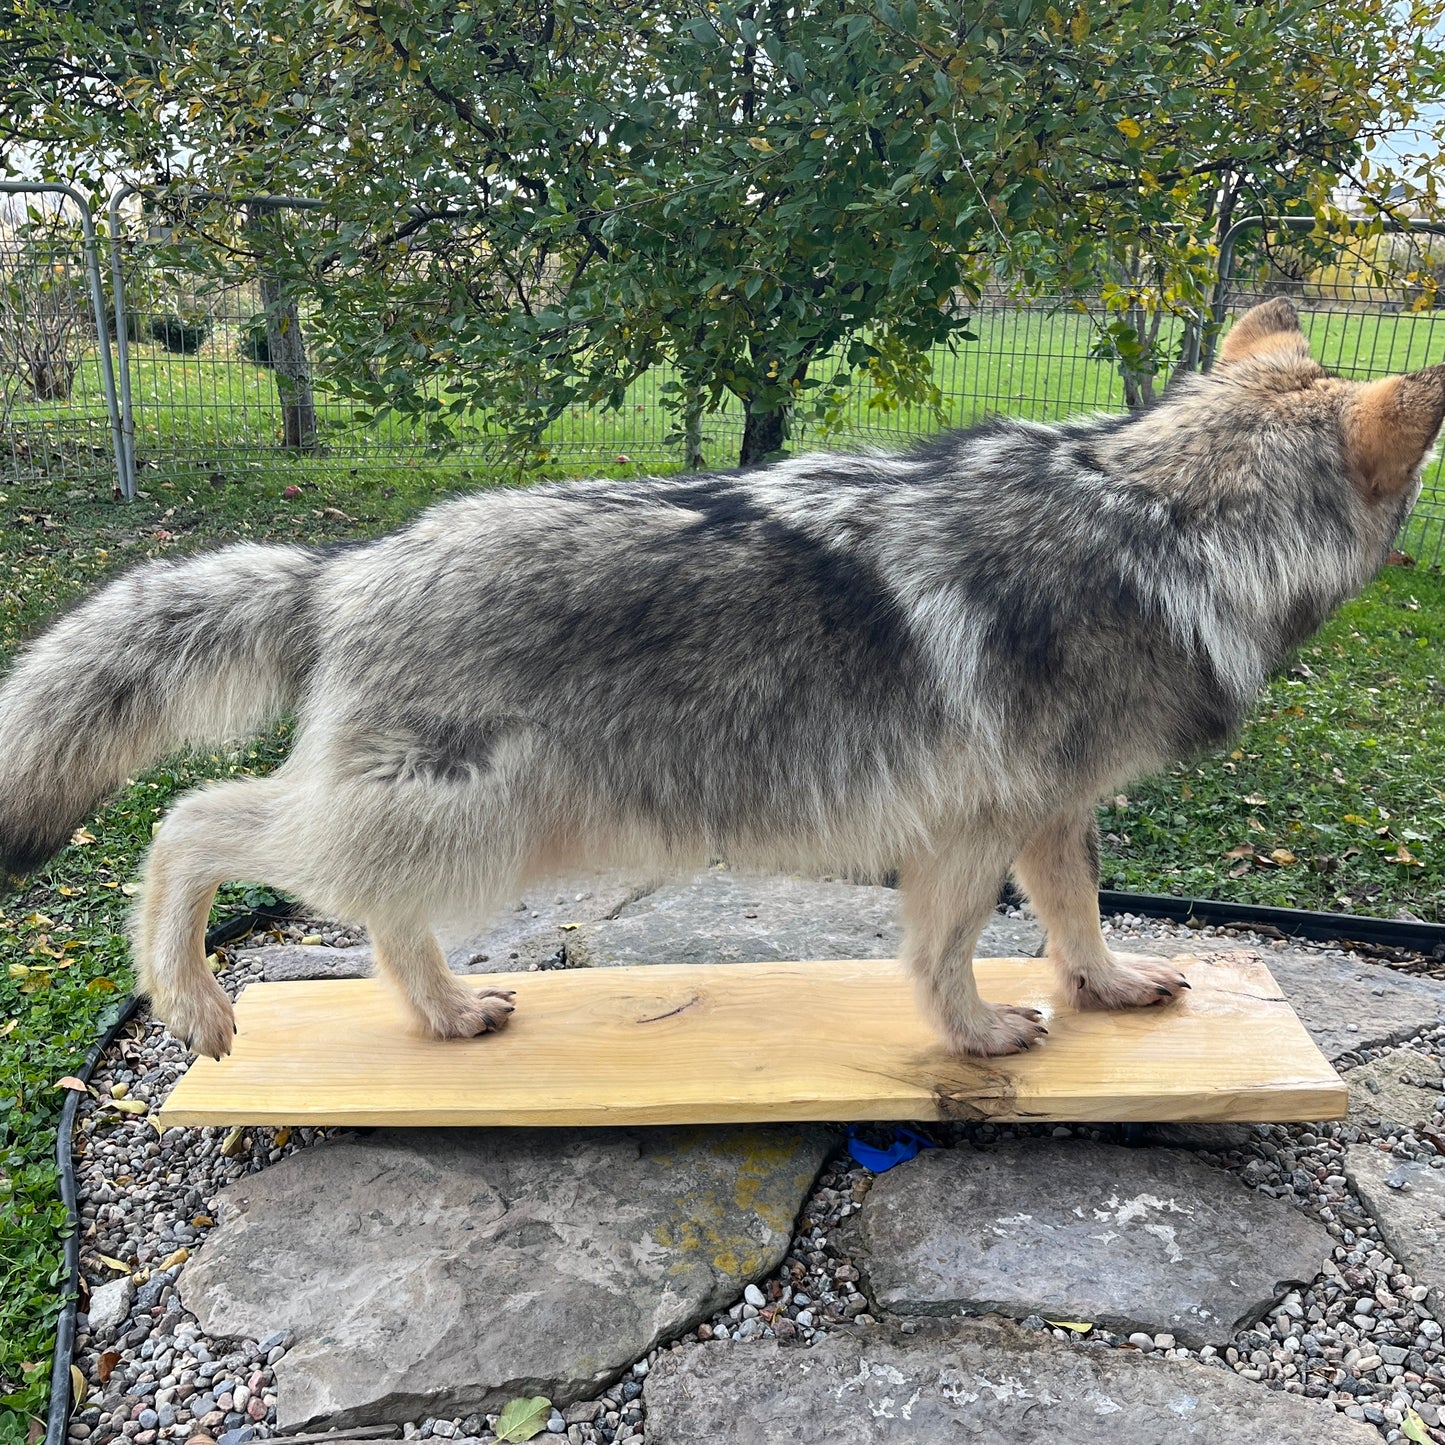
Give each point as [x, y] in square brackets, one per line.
[1184, 983]
[1163, 990]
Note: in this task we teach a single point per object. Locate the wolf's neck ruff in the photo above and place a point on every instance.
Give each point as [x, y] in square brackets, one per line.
[933, 663]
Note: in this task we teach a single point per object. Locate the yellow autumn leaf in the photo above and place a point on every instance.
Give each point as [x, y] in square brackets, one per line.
[77, 1386]
[1079, 25]
[1413, 1427]
[759, 143]
[1355, 818]
[81, 837]
[113, 1263]
[1128, 128]
[1079, 1327]
[175, 1257]
[1283, 857]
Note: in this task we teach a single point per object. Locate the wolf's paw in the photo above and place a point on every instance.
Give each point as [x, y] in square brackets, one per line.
[203, 1019]
[1002, 1029]
[1135, 981]
[471, 1012]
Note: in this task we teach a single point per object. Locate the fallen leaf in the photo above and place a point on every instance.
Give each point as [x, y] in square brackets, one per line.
[77, 1387]
[523, 1418]
[105, 1366]
[175, 1257]
[128, 1106]
[113, 1263]
[1241, 850]
[201, 1221]
[81, 837]
[1414, 1428]
[1405, 856]
[1355, 818]
[71, 1082]
[130, 889]
[119, 1089]
[282, 1137]
[1079, 1327]
[9, 1027]
[232, 1145]
[1255, 800]
[1239, 870]
[1283, 857]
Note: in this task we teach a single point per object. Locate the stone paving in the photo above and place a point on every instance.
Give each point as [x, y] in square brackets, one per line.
[1239, 1283]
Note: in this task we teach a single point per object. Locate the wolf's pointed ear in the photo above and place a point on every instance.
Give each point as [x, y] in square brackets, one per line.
[1269, 328]
[1389, 426]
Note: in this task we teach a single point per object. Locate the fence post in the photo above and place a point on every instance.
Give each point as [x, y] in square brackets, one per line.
[97, 303]
[122, 337]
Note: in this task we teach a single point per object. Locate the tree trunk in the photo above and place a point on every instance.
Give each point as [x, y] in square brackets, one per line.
[763, 435]
[286, 345]
[692, 458]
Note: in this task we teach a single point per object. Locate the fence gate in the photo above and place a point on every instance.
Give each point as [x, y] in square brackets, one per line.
[59, 411]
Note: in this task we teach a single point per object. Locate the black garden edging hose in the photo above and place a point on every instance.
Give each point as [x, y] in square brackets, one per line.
[1409, 935]
[1412, 937]
[58, 1420]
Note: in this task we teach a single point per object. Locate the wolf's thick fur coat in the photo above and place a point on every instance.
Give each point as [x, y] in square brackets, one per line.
[935, 662]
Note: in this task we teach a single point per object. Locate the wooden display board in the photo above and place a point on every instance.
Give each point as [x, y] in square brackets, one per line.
[753, 1042]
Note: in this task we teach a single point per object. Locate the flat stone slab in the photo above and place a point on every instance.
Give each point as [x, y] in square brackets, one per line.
[982, 1381]
[446, 1272]
[724, 917]
[1408, 1202]
[1130, 1239]
[1331, 994]
[1402, 1086]
[716, 917]
[525, 933]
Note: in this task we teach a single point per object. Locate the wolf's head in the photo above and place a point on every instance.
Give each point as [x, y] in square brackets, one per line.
[1385, 428]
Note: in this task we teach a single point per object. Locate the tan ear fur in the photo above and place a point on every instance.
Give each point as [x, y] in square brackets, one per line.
[1390, 425]
[1272, 327]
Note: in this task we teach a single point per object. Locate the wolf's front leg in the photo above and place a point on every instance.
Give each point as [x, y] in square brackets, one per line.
[948, 896]
[1059, 870]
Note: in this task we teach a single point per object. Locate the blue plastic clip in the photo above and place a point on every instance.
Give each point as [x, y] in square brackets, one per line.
[905, 1146]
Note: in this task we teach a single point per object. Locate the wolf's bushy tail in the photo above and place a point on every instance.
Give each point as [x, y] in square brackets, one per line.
[173, 653]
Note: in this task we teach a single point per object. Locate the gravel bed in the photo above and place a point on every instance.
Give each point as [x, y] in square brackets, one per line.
[1358, 1337]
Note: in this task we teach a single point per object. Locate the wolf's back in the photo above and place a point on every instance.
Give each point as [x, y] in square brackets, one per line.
[194, 651]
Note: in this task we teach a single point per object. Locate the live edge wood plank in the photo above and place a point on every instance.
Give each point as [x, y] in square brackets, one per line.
[755, 1042]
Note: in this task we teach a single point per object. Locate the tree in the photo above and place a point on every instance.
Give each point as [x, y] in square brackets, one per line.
[537, 200]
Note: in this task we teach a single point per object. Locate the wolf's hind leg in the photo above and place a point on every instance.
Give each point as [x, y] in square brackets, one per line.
[1059, 870]
[223, 831]
[947, 899]
[407, 952]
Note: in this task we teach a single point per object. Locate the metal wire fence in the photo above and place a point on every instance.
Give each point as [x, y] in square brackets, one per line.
[56, 415]
[201, 391]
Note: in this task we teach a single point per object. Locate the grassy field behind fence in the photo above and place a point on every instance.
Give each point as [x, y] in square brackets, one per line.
[1332, 799]
[197, 412]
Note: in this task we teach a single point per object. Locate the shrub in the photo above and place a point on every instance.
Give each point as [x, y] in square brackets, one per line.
[183, 334]
[255, 344]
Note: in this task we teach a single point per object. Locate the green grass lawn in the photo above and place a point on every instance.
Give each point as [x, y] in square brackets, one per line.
[1333, 798]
